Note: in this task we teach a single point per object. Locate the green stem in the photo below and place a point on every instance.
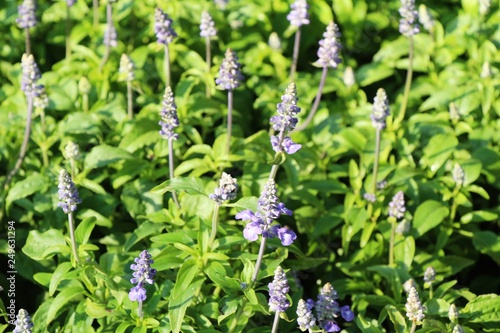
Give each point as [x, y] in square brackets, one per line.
[68, 31]
[72, 236]
[229, 119]
[95, 5]
[129, 100]
[109, 18]
[167, 66]
[259, 260]
[409, 74]
[215, 222]
[85, 102]
[431, 291]
[27, 41]
[375, 163]
[295, 56]
[139, 310]
[413, 327]
[171, 169]
[208, 60]
[391, 241]
[276, 321]
[316, 101]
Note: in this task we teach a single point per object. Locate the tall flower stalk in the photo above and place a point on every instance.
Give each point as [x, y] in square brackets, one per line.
[298, 17]
[408, 27]
[226, 191]
[23, 322]
[207, 30]
[31, 89]
[69, 4]
[72, 153]
[278, 301]
[69, 198]
[230, 78]
[143, 273]
[397, 211]
[169, 121]
[110, 35]
[414, 309]
[26, 20]
[429, 278]
[328, 54]
[84, 89]
[126, 72]
[165, 34]
[95, 10]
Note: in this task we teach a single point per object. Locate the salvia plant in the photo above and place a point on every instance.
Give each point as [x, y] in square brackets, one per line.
[312, 166]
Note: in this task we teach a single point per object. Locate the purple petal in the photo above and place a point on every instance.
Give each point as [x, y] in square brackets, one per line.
[245, 215]
[346, 313]
[252, 231]
[137, 293]
[283, 209]
[286, 236]
[289, 146]
[331, 326]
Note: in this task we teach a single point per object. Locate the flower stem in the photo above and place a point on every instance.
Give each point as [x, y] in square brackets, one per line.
[215, 222]
[259, 260]
[139, 309]
[276, 321]
[409, 75]
[28, 41]
[72, 236]
[309, 118]
[375, 163]
[171, 169]
[295, 58]
[95, 5]
[229, 119]
[85, 102]
[129, 100]
[68, 31]
[413, 327]
[167, 66]
[208, 60]
[391, 241]
[109, 18]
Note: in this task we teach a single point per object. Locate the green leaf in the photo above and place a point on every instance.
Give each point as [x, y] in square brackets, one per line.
[180, 302]
[438, 151]
[104, 155]
[488, 243]
[58, 276]
[144, 230]
[193, 186]
[478, 216]
[217, 273]
[40, 246]
[366, 326]
[484, 310]
[34, 183]
[428, 215]
[173, 237]
[97, 310]
[186, 274]
[62, 301]
[371, 73]
[397, 319]
[392, 277]
[84, 229]
[245, 203]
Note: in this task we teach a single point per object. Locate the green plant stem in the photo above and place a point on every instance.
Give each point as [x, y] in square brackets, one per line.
[27, 41]
[375, 163]
[95, 5]
[72, 236]
[129, 100]
[431, 291]
[139, 309]
[85, 102]
[276, 321]
[24, 145]
[171, 169]
[208, 60]
[72, 164]
[68, 31]
[109, 18]
[309, 118]
[229, 119]
[215, 222]
[409, 75]
[167, 66]
[391, 241]
[260, 256]
[413, 327]
[295, 56]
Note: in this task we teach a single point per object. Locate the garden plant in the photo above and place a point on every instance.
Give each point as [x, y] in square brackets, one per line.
[249, 166]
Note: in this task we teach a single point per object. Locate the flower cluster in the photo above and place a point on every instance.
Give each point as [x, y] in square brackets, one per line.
[70, 3]
[68, 194]
[458, 174]
[430, 275]
[380, 110]
[110, 35]
[23, 322]
[329, 47]
[286, 121]
[397, 207]
[142, 273]
[227, 189]
[30, 76]
[165, 34]
[408, 24]
[221, 4]
[268, 210]
[207, 26]
[126, 70]
[414, 309]
[278, 290]
[425, 17]
[230, 76]
[327, 311]
[41, 98]
[72, 151]
[169, 120]
[298, 15]
[26, 13]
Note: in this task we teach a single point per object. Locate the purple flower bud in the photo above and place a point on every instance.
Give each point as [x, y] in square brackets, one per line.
[305, 317]
[165, 34]
[328, 309]
[278, 290]
[370, 197]
[207, 26]
[169, 120]
[126, 69]
[23, 322]
[30, 75]
[70, 3]
[110, 35]
[298, 15]
[380, 109]
[26, 14]
[331, 326]
[286, 236]
[230, 76]
[41, 99]
[68, 194]
[414, 309]
[286, 119]
[227, 189]
[143, 273]
[430, 275]
[347, 313]
[397, 206]
[329, 47]
[408, 24]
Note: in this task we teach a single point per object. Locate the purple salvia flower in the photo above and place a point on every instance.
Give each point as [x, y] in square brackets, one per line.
[169, 120]
[227, 189]
[305, 317]
[458, 174]
[298, 15]
[143, 273]
[207, 26]
[221, 4]
[287, 145]
[397, 206]
[72, 151]
[414, 309]
[380, 109]
[70, 3]
[408, 24]
[453, 313]
[126, 69]
[286, 236]
[429, 275]
[278, 290]
[327, 308]
[370, 197]
[110, 35]
[165, 34]
[30, 75]
[41, 99]
[347, 313]
[329, 47]
[26, 14]
[287, 110]
[68, 194]
[269, 205]
[230, 76]
[23, 322]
